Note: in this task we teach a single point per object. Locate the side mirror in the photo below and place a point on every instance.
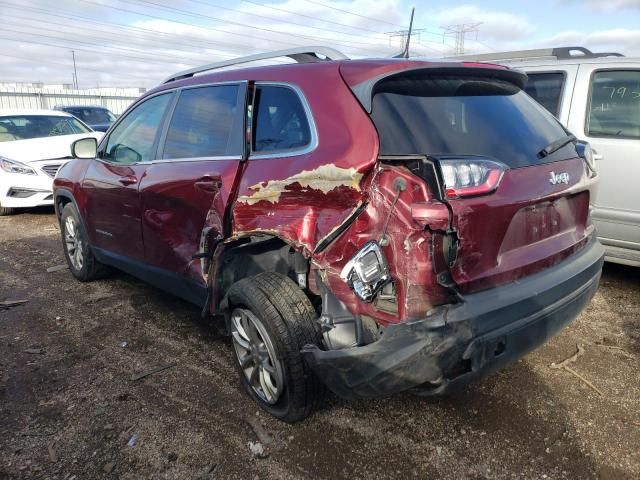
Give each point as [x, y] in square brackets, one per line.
[85, 148]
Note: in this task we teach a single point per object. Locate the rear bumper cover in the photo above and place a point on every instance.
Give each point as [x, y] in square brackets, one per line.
[457, 343]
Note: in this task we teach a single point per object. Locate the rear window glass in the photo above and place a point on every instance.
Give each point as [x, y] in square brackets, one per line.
[614, 107]
[280, 122]
[463, 115]
[546, 88]
[203, 123]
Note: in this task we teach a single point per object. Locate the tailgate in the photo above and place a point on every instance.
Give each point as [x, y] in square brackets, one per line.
[526, 225]
[518, 191]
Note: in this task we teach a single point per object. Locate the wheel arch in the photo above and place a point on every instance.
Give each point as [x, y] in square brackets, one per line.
[251, 255]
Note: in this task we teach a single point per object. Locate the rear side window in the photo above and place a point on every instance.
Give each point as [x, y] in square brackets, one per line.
[133, 139]
[418, 114]
[614, 106]
[546, 89]
[204, 123]
[279, 120]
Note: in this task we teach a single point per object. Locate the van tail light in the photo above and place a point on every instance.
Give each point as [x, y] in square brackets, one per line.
[470, 177]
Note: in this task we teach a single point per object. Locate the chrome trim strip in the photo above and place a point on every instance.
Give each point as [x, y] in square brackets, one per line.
[191, 159]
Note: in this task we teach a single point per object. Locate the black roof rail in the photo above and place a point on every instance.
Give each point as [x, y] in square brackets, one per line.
[564, 53]
[559, 53]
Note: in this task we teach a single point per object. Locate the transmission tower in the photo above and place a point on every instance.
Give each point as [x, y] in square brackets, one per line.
[459, 32]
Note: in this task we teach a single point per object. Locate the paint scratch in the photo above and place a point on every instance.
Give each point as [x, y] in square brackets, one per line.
[324, 178]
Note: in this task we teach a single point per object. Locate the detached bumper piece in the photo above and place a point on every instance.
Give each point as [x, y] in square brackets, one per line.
[459, 343]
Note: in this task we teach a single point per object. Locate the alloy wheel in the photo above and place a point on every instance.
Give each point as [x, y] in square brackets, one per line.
[73, 243]
[256, 355]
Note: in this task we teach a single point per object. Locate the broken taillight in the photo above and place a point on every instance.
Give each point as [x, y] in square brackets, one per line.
[469, 177]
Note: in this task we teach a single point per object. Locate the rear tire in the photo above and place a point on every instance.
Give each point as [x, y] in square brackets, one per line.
[271, 320]
[80, 258]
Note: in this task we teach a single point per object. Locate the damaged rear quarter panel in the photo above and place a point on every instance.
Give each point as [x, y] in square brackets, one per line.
[408, 250]
[303, 198]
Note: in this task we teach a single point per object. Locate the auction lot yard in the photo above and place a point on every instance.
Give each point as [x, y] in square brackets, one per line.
[69, 406]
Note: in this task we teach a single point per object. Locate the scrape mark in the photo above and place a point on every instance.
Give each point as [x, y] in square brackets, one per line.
[324, 178]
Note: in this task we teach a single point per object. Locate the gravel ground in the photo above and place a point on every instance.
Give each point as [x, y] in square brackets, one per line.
[69, 406]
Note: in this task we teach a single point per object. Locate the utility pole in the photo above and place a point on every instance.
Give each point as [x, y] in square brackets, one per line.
[75, 72]
[460, 31]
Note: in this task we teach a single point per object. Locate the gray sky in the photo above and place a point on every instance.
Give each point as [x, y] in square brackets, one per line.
[139, 42]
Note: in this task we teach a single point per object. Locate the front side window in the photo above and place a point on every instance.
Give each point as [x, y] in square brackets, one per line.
[25, 127]
[546, 89]
[204, 123]
[133, 139]
[614, 105]
[279, 122]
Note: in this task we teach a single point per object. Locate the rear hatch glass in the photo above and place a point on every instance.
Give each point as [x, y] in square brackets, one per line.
[528, 222]
[463, 115]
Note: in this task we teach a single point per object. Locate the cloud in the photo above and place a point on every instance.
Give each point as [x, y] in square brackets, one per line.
[610, 5]
[622, 40]
[185, 33]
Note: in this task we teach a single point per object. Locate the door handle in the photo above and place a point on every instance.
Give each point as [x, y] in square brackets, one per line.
[128, 180]
[208, 184]
[597, 156]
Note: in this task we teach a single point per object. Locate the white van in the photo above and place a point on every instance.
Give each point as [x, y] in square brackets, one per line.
[597, 97]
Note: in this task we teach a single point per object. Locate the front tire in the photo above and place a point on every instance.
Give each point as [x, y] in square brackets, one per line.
[271, 320]
[80, 258]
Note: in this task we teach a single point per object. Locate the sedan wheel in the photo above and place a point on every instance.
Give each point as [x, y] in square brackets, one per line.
[256, 355]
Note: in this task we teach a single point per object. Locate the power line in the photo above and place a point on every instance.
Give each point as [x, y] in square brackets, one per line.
[324, 20]
[353, 13]
[93, 51]
[174, 38]
[227, 32]
[179, 60]
[49, 62]
[121, 38]
[344, 43]
[255, 15]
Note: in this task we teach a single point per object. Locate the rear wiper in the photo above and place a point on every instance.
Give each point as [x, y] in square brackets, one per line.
[556, 145]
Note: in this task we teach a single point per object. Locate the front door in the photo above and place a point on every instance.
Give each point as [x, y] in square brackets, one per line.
[610, 122]
[111, 181]
[185, 192]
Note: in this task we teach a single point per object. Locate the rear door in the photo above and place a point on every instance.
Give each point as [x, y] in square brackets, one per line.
[111, 180]
[606, 113]
[514, 210]
[186, 190]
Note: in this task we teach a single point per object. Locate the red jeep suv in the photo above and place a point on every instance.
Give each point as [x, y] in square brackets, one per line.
[370, 226]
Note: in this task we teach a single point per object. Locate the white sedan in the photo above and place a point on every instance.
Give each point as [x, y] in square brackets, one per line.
[33, 146]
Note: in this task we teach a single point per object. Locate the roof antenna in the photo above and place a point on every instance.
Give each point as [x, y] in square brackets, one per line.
[405, 52]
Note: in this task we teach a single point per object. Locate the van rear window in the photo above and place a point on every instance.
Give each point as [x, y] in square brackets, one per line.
[463, 115]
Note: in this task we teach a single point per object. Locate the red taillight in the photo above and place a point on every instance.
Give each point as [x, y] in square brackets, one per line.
[470, 177]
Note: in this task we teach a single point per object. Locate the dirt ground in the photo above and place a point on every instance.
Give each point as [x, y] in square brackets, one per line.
[69, 406]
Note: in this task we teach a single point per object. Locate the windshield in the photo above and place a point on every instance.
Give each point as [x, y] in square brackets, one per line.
[92, 116]
[24, 127]
[464, 115]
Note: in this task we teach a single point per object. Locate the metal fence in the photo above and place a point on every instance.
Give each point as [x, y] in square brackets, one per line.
[116, 100]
